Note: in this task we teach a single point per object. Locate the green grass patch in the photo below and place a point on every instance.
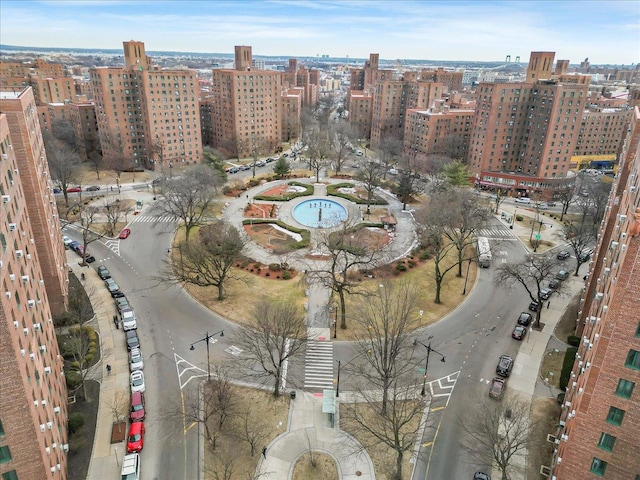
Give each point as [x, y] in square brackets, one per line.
[332, 190]
[567, 364]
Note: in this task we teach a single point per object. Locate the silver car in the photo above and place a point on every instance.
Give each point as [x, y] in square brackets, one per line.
[135, 360]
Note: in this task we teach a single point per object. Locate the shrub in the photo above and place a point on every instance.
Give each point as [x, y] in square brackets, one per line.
[274, 267]
[411, 263]
[76, 422]
[286, 275]
[401, 267]
[519, 218]
[567, 364]
[226, 190]
[573, 340]
[74, 379]
[425, 256]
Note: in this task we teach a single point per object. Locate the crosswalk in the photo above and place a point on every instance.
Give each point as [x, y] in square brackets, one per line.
[154, 219]
[318, 365]
[496, 232]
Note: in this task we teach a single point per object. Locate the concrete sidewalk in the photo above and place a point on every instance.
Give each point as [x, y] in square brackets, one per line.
[106, 457]
[310, 429]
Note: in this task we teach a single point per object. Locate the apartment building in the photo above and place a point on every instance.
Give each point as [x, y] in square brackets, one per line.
[598, 435]
[292, 101]
[33, 397]
[530, 128]
[298, 76]
[602, 130]
[26, 138]
[451, 81]
[247, 107]
[147, 117]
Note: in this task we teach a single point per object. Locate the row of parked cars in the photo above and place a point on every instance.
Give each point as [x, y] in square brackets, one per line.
[78, 248]
[127, 318]
[249, 166]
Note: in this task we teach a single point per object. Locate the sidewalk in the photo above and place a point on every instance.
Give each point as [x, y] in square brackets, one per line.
[106, 458]
[310, 429]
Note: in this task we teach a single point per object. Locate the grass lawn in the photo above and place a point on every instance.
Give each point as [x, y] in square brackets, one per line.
[551, 367]
[323, 467]
[547, 412]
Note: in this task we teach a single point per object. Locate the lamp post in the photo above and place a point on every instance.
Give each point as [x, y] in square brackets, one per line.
[207, 338]
[368, 352]
[426, 365]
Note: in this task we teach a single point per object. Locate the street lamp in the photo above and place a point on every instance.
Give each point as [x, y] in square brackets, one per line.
[426, 365]
[207, 339]
[368, 352]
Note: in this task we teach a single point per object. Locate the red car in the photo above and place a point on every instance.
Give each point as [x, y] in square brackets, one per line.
[135, 443]
[136, 411]
[124, 233]
[74, 190]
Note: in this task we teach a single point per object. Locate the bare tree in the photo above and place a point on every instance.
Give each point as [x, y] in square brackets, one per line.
[250, 430]
[276, 335]
[497, 432]
[370, 173]
[259, 147]
[89, 217]
[82, 345]
[114, 155]
[389, 151]
[62, 130]
[215, 160]
[580, 238]
[224, 464]
[342, 136]
[119, 406]
[398, 429]
[199, 407]
[208, 261]
[80, 309]
[387, 318]
[63, 163]
[433, 168]
[223, 395]
[343, 257]
[600, 199]
[531, 273]
[499, 197]
[565, 195]
[112, 212]
[188, 197]
[319, 150]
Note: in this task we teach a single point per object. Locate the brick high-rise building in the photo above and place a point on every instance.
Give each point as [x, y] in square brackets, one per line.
[145, 115]
[28, 146]
[298, 76]
[246, 108]
[360, 112]
[291, 109]
[452, 81]
[33, 396]
[530, 128]
[85, 128]
[598, 435]
[602, 131]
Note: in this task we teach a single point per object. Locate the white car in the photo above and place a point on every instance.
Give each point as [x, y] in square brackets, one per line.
[135, 360]
[137, 381]
[523, 200]
[67, 241]
[130, 467]
[128, 319]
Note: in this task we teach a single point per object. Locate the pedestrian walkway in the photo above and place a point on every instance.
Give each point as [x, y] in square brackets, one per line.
[496, 232]
[154, 219]
[318, 364]
[310, 429]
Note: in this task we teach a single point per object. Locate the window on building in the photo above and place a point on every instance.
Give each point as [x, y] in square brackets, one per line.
[625, 388]
[598, 466]
[633, 360]
[615, 416]
[12, 475]
[638, 330]
[606, 441]
[1, 429]
[5, 454]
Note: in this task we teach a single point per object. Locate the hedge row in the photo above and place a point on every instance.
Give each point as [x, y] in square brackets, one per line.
[332, 190]
[567, 365]
[306, 234]
[308, 190]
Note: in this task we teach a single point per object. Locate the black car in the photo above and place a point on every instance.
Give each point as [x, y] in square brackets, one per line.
[563, 254]
[132, 339]
[524, 319]
[584, 257]
[562, 275]
[89, 258]
[534, 306]
[92, 188]
[505, 364]
[519, 332]
[554, 284]
[103, 272]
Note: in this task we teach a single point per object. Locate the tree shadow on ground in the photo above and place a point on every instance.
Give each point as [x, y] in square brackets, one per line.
[81, 443]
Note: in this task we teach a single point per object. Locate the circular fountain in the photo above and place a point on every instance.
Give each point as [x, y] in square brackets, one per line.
[319, 213]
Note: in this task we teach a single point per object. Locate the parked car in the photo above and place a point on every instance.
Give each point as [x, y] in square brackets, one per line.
[135, 360]
[56, 190]
[534, 306]
[75, 245]
[523, 200]
[124, 233]
[545, 293]
[121, 302]
[113, 287]
[128, 319]
[505, 364]
[234, 170]
[551, 204]
[74, 190]
[497, 388]
[525, 319]
[136, 410]
[562, 275]
[554, 284]
[481, 476]
[137, 381]
[130, 467]
[541, 206]
[563, 254]
[584, 257]
[103, 272]
[519, 332]
[132, 339]
[89, 258]
[135, 442]
[92, 188]
[66, 241]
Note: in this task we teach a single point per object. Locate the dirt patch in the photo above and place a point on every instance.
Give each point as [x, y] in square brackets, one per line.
[566, 327]
[88, 176]
[261, 210]
[551, 367]
[545, 413]
[264, 415]
[271, 238]
[323, 467]
[118, 432]
[81, 442]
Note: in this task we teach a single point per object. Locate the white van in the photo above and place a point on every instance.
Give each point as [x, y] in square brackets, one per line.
[523, 200]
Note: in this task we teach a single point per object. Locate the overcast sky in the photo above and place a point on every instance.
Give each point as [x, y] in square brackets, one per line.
[604, 31]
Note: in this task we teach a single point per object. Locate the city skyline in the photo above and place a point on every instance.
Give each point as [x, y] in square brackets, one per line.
[605, 32]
